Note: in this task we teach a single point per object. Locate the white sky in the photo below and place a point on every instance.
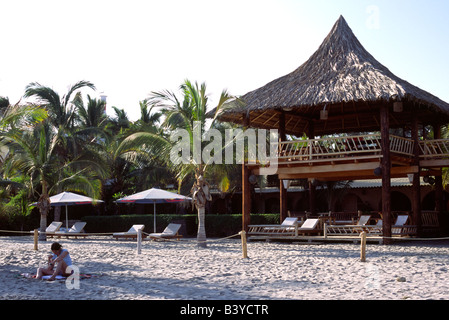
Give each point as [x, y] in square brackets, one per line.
[130, 48]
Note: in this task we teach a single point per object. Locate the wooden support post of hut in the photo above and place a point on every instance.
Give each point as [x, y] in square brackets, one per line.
[312, 187]
[416, 187]
[386, 172]
[439, 207]
[283, 191]
[246, 189]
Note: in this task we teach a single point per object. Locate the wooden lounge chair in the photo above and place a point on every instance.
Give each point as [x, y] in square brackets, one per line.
[131, 233]
[375, 230]
[170, 232]
[309, 226]
[343, 218]
[288, 227]
[362, 223]
[401, 228]
[75, 231]
[349, 229]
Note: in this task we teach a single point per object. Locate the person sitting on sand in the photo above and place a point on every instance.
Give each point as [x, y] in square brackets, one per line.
[60, 258]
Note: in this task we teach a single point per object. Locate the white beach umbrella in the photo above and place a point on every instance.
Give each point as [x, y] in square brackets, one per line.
[69, 199]
[154, 196]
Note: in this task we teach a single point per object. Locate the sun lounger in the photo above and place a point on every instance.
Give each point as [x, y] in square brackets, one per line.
[349, 229]
[375, 229]
[288, 227]
[343, 218]
[131, 233]
[75, 231]
[400, 227]
[52, 228]
[170, 232]
[309, 226]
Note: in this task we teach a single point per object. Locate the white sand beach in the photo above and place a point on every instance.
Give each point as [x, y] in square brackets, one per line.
[179, 270]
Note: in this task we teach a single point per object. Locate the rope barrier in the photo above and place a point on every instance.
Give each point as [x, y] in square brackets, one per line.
[111, 233]
[59, 234]
[12, 231]
[208, 240]
[419, 239]
[242, 234]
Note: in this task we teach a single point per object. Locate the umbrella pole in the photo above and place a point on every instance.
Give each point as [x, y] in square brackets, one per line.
[154, 217]
[66, 218]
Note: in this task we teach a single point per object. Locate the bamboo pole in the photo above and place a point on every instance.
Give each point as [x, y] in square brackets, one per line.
[363, 247]
[244, 246]
[36, 237]
[139, 241]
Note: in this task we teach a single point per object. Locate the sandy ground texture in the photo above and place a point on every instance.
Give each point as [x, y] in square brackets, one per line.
[179, 270]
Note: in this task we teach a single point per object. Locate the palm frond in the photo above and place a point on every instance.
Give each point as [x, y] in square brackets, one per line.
[44, 95]
[81, 183]
[79, 85]
[22, 116]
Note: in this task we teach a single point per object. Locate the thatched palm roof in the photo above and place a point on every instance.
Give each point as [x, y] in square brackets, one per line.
[346, 79]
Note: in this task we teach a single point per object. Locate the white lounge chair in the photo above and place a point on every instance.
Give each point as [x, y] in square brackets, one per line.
[376, 229]
[400, 227]
[349, 229]
[75, 231]
[288, 227]
[170, 232]
[52, 228]
[131, 233]
[309, 226]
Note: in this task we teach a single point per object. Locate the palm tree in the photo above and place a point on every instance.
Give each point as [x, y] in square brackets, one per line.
[120, 123]
[149, 121]
[16, 117]
[34, 154]
[60, 110]
[51, 154]
[93, 115]
[62, 117]
[190, 113]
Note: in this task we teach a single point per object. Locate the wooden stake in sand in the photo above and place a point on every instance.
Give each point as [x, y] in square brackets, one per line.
[139, 241]
[244, 248]
[36, 236]
[363, 247]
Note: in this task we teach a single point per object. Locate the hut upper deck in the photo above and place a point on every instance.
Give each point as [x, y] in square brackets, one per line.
[354, 156]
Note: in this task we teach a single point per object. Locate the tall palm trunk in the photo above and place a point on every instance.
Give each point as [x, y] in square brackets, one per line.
[201, 235]
[201, 195]
[44, 206]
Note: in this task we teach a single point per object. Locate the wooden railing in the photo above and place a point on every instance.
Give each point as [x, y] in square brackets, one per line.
[340, 148]
[400, 145]
[431, 149]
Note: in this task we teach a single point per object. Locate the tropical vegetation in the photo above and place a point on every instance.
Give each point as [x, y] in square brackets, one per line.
[55, 143]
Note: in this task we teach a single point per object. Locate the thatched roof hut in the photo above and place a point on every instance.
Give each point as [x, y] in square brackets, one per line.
[346, 80]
